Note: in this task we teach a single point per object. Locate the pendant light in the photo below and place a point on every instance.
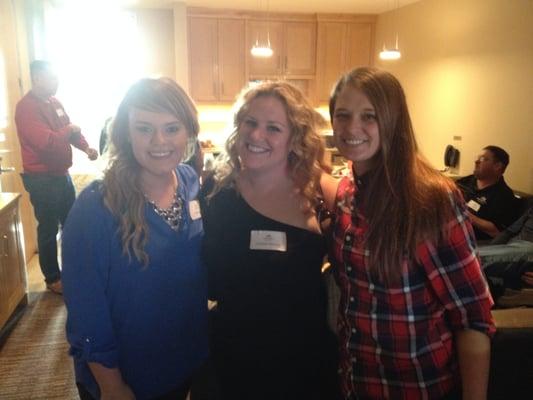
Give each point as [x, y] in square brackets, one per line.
[392, 53]
[262, 50]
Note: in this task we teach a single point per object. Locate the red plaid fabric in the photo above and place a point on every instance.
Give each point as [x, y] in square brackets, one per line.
[397, 341]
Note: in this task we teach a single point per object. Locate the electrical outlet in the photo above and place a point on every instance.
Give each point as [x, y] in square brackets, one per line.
[458, 138]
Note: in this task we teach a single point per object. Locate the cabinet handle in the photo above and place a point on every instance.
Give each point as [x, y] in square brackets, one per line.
[286, 63]
[215, 89]
[6, 245]
[221, 88]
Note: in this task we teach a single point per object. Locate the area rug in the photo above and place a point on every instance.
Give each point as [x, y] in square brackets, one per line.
[34, 363]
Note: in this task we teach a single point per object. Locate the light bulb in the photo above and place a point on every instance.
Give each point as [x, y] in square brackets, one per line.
[393, 54]
[261, 51]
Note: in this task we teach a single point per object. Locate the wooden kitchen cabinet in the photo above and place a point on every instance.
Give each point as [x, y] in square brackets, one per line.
[341, 46]
[294, 46]
[310, 50]
[216, 57]
[263, 32]
[12, 265]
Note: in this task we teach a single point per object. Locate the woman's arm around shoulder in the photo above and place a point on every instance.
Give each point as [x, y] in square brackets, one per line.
[329, 186]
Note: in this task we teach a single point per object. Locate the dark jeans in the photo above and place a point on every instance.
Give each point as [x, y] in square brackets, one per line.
[51, 197]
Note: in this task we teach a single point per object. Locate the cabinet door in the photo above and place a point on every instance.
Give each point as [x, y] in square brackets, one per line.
[331, 56]
[359, 45]
[231, 58]
[12, 273]
[260, 31]
[300, 48]
[203, 49]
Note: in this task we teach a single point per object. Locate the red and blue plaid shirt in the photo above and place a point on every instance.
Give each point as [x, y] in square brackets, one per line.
[397, 341]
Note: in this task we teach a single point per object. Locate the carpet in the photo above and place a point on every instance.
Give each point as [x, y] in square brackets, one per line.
[34, 361]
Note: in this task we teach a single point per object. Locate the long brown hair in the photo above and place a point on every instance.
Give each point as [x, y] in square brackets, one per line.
[407, 201]
[306, 159]
[121, 185]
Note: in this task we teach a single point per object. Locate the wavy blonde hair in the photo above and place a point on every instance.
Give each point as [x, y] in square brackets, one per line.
[407, 200]
[307, 150]
[122, 191]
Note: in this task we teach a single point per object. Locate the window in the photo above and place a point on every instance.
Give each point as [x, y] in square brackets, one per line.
[98, 54]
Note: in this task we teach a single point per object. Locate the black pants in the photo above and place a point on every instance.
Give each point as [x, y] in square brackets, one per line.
[179, 393]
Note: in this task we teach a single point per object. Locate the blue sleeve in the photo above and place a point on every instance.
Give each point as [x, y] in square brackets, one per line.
[189, 179]
[86, 262]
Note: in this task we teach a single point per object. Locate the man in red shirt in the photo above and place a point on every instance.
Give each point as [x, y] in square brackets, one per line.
[46, 135]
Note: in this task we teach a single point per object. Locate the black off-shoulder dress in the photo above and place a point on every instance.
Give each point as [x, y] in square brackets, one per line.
[270, 338]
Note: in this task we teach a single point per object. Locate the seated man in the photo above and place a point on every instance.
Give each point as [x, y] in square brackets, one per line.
[492, 204]
[509, 257]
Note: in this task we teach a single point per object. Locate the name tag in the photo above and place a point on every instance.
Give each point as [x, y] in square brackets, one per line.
[474, 205]
[268, 240]
[59, 112]
[194, 210]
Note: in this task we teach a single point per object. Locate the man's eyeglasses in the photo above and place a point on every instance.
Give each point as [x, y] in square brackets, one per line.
[483, 158]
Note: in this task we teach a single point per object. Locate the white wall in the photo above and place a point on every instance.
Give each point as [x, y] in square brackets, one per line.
[467, 68]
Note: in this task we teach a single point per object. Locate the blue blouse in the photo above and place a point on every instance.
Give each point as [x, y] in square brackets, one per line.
[149, 321]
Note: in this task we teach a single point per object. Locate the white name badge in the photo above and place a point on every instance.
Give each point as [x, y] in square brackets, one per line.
[474, 205]
[268, 240]
[194, 209]
[59, 112]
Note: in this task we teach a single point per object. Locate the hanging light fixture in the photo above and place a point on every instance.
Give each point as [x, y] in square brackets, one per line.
[262, 50]
[394, 53]
[390, 54]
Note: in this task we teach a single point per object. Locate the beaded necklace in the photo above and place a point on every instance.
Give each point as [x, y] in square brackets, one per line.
[171, 215]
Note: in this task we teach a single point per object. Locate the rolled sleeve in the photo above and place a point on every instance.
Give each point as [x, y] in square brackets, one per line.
[86, 263]
[85, 352]
[457, 279]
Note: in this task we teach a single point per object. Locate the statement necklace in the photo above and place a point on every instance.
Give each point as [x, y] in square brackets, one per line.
[171, 215]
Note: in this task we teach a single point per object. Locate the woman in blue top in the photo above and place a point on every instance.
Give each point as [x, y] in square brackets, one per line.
[134, 286]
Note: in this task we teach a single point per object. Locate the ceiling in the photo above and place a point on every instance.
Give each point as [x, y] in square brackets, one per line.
[307, 6]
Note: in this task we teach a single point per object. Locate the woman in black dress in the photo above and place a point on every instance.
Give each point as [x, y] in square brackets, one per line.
[264, 251]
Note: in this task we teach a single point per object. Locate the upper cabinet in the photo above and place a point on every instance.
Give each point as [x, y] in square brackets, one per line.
[311, 51]
[294, 46]
[216, 58]
[342, 45]
[231, 57]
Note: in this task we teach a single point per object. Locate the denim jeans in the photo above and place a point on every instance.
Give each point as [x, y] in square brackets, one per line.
[51, 197]
[504, 264]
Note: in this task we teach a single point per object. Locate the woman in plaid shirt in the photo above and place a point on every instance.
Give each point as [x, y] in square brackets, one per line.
[415, 319]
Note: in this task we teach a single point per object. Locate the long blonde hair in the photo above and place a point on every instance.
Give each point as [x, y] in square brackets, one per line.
[121, 186]
[407, 201]
[306, 158]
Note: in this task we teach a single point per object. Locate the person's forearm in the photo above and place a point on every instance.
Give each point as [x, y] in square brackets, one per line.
[473, 349]
[110, 382]
[484, 225]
